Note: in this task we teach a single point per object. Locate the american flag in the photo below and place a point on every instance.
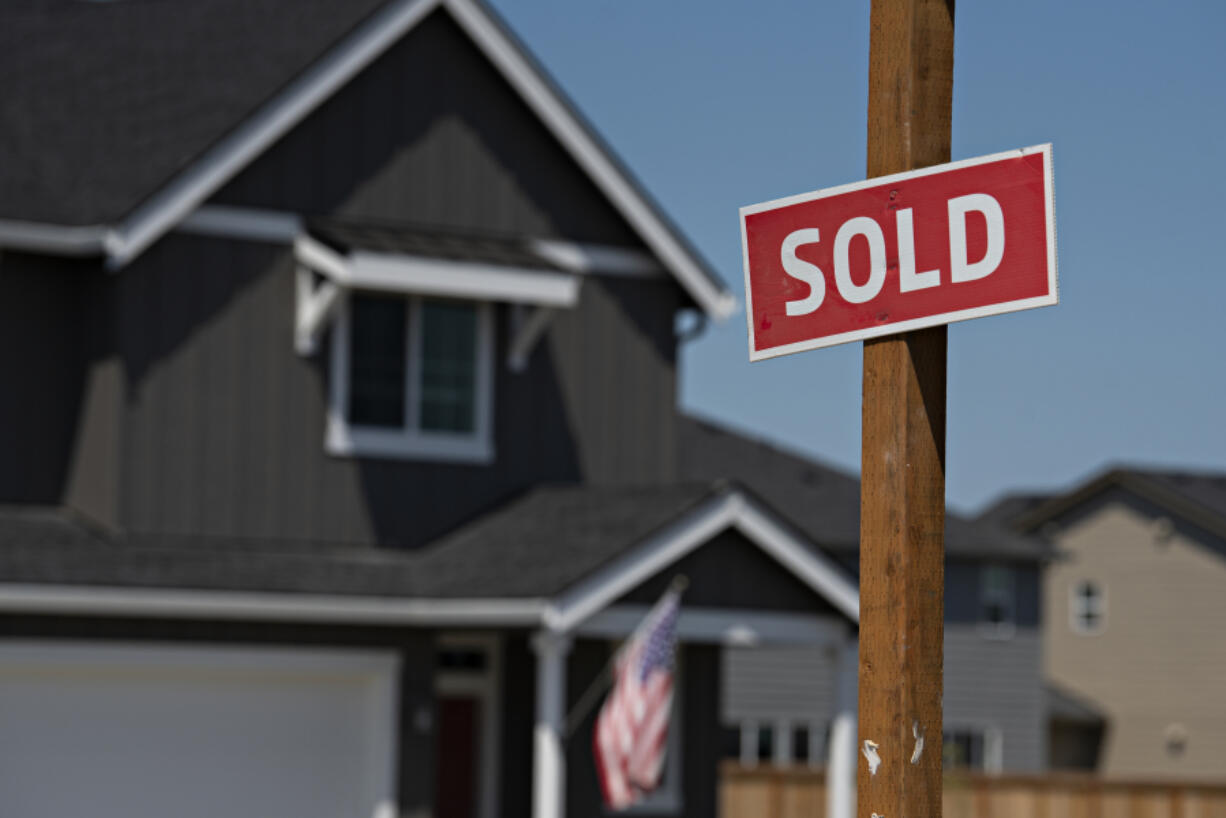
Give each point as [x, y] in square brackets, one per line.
[633, 724]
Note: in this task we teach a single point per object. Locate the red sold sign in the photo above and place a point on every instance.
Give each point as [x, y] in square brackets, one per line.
[900, 252]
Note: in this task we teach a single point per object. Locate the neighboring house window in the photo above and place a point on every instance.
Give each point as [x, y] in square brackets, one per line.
[998, 600]
[412, 377]
[1088, 607]
[976, 748]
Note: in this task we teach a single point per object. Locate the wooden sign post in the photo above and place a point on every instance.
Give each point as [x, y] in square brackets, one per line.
[902, 500]
[890, 261]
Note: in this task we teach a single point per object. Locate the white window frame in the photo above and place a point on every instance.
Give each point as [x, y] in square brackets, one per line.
[411, 443]
[1077, 610]
[993, 739]
[1007, 628]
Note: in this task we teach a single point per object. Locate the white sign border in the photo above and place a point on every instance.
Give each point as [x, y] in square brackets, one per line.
[1051, 298]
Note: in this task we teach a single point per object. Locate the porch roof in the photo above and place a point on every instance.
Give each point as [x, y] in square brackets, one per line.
[555, 555]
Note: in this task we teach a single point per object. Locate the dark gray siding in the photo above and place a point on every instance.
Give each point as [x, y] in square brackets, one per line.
[698, 698]
[415, 748]
[963, 604]
[45, 328]
[431, 134]
[729, 571]
[223, 424]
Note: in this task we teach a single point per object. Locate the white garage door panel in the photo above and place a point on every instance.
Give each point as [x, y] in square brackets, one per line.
[133, 732]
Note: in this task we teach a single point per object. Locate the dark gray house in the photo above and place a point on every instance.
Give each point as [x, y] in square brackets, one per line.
[340, 443]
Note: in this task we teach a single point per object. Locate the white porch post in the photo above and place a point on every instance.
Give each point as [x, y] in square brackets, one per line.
[549, 758]
[841, 766]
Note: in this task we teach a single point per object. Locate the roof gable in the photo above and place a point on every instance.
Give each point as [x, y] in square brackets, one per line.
[430, 136]
[200, 166]
[1198, 497]
[823, 502]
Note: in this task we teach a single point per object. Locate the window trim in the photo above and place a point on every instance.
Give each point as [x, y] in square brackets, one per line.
[1007, 627]
[1075, 609]
[411, 443]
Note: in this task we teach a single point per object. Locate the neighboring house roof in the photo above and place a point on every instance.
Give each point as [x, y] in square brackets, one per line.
[1198, 497]
[1006, 510]
[823, 502]
[1064, 705]
[144, 110]
[554, 557]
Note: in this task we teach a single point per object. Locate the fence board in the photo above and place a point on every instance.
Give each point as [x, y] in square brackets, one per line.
[800, 792]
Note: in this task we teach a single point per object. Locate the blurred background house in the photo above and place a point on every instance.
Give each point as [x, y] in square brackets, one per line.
[1133, 611]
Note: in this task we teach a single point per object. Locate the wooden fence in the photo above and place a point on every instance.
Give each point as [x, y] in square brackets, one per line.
[799, 792]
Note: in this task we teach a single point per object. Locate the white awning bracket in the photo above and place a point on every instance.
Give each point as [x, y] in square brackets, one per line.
[543, 290]
[526, 329]
[315, 307]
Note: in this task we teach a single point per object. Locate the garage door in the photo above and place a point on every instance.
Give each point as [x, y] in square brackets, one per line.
[129, 732]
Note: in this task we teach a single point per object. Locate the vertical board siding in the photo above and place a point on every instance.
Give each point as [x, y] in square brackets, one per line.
[431, 134]
[44, 330]
[223, 424]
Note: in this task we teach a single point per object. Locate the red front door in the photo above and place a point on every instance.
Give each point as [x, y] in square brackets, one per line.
[455, 786]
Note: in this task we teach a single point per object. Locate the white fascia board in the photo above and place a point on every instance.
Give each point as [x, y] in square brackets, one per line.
[650, 557]
[252, 224]
[816, 570]
[252, 137]
[460, 279]
[52, 238]
[556, 115]
[282, 607]
[723, 626]
[687, 533]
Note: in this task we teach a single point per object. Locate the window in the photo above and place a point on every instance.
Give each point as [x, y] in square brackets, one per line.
[998, 601]
[1088, 607]
[412, 377]
[974, 748]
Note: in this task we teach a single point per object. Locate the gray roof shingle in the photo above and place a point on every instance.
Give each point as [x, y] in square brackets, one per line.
[104, 102]
[821, 501]
[532, 547]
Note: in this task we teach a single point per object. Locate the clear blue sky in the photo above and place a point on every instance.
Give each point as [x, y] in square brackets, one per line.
[716, 105]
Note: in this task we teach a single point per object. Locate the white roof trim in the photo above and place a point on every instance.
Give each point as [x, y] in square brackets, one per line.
[176, 603]
[621, 192]
[57, 239]
[177, 200]
[722, 626]
[674, 541]
[571, 610]
[462, 279]
[253, 136]
[421, 275]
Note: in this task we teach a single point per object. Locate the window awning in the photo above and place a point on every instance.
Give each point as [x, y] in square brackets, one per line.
[423, 262]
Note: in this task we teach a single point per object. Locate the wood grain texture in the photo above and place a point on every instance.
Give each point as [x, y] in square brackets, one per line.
[902, 515]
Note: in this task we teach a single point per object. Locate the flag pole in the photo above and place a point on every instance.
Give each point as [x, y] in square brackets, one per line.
[603, 679]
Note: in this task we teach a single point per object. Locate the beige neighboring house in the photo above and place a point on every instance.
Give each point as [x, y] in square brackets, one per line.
[1134, 613]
